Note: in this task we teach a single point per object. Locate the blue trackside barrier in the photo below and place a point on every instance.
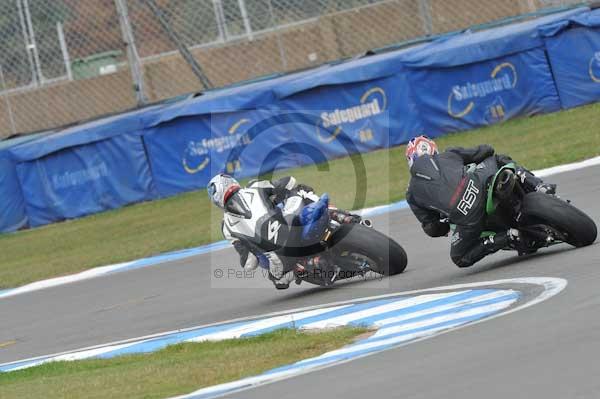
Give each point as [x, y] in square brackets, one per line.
[192, 139]
[454, 82]
[481, 78]
[573, 47]
[12, 211]
[83, 170]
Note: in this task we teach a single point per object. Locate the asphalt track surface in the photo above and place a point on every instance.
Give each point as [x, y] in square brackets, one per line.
[549, 350]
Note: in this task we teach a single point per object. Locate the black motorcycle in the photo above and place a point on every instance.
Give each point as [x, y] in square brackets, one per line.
[348, 250]
[544, 219]
[316, 246]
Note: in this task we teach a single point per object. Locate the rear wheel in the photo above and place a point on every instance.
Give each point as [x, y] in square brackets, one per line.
[357, 243]
[579, 228]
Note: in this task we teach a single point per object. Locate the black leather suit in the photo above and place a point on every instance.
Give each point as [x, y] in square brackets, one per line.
[453, 186]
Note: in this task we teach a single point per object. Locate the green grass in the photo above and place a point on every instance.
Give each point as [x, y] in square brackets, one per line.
[188, 220]
[175, 370]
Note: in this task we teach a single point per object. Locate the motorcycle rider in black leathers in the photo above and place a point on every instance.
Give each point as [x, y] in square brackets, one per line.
[280, 194]
[450, 188]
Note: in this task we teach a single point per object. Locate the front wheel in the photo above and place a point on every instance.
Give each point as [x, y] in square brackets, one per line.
[356, 243]
[579, 228]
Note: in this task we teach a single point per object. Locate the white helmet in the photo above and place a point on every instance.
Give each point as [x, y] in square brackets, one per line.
[221, 188]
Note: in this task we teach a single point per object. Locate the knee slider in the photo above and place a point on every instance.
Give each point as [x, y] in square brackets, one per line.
[461, 261]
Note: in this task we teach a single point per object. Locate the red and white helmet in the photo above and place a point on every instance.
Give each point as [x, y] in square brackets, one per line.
[419, 146]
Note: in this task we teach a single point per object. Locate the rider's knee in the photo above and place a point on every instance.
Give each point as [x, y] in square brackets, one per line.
[461, 261]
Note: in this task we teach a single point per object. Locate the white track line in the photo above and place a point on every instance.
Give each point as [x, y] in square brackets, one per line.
[568, 167]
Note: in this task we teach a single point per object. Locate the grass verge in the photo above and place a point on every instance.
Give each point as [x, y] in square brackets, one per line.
[188, 220]
[175, 370]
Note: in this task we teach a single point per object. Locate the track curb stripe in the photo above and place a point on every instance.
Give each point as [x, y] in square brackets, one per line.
[323, 317]
[400, 319]
[502, 305]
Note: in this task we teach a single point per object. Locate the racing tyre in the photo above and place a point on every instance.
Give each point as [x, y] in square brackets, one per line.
[561, 215]
[384, 255]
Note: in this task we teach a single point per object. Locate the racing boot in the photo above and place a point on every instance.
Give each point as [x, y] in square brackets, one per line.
[495, 242]
[512, 238]
[277, 272]
[283, 283]
[518, 241]
[478, 250]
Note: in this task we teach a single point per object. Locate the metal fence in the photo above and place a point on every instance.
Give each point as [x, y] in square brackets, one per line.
[65, 61]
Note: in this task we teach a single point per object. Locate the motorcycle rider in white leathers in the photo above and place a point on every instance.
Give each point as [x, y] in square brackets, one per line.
[283, 195]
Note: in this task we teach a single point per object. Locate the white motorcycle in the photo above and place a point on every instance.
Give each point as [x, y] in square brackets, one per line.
[314, 245]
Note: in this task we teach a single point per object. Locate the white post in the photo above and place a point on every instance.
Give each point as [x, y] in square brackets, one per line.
[34, 78]
[425, 11]
[220, 18]
[132, 54]
[244, 11]
[33, 45]
[64, 50]
[282, 56]
[11, 117]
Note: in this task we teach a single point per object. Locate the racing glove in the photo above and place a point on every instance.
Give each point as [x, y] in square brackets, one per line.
[304, 187]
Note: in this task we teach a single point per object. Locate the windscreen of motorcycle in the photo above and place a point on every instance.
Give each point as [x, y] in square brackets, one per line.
[237, 205]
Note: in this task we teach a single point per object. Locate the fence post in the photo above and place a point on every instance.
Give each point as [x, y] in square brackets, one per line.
[64, 50]
[133, 58]
[246, 19]
[11, 118]
[34, 61]
[280, 47]
[425, 11]
[220, 18]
